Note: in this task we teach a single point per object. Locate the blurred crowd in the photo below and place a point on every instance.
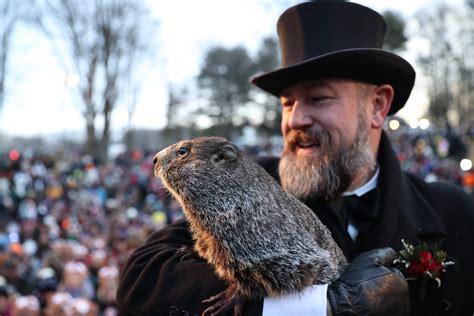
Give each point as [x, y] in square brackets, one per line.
[436, 154]
[68, 224]
[67, 227]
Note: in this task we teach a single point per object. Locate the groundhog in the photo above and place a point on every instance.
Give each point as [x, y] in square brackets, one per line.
[258, 238]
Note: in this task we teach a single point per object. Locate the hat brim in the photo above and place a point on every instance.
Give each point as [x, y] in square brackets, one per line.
[375, 66]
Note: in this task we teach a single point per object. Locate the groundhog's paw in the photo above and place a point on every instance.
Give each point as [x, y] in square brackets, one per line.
[230, 299]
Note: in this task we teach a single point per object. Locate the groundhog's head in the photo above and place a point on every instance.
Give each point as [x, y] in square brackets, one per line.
[201, 162]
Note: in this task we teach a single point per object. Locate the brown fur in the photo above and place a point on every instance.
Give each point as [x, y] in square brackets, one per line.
[260, 239]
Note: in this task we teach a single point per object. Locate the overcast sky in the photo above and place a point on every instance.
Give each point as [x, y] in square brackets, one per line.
[38, 102]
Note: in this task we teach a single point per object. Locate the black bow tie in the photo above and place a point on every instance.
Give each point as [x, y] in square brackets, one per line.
[362, 211]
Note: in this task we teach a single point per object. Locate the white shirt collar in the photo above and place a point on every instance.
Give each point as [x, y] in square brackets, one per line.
[370, 185]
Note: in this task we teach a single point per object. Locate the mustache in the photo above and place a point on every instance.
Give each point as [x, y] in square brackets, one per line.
[316, 136]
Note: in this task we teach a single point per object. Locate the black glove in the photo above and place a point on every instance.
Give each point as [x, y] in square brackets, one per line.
[370, 286]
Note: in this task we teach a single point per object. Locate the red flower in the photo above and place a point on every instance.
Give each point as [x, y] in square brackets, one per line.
[425, 257]
[416, 269]
[423, 262]
[435, 267]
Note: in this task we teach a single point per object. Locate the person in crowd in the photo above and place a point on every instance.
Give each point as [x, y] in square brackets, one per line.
[336, 85]
[6, 305]
[64, 221]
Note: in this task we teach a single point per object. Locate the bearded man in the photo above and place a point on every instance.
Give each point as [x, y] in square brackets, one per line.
[310, 164]
[336, 85]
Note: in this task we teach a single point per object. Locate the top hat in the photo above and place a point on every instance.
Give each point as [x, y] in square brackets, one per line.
[336, 39]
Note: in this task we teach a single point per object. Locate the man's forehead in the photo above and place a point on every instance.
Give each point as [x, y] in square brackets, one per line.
[328, 83]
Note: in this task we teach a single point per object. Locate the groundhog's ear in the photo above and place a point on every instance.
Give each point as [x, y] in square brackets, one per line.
[227, 153]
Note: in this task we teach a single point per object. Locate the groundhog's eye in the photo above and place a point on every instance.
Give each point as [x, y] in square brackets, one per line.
[182, 151]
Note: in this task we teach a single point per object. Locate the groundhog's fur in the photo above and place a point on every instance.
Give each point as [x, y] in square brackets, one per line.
[257, 237]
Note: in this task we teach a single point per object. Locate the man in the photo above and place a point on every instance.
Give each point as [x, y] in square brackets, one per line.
[336, 86]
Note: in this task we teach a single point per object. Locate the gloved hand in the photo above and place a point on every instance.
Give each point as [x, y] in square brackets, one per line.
[370, 286]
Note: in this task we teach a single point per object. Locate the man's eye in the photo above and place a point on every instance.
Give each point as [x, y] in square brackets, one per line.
[182, 151]
[317, 98]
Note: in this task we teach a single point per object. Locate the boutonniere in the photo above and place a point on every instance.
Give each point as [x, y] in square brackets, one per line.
[422, 262]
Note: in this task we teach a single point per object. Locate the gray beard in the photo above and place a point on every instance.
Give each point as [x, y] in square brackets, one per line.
[328, 175]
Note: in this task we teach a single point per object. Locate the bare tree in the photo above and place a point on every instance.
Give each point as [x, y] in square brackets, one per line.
[106, 41]
[465, 65]
[268, 58]
[448, 63]
[437, 61]
[11, 13]
[7, 20]
[177, 98]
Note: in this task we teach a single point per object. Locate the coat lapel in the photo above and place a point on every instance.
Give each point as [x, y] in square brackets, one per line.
[404, 212]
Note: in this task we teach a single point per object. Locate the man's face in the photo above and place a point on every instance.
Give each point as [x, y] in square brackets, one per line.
[326, 131]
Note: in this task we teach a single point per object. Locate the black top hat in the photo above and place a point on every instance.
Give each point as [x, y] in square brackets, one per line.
[336, 39]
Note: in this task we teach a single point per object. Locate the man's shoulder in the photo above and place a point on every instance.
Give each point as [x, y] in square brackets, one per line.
[438, 188]
[175, 233]
[443, 195]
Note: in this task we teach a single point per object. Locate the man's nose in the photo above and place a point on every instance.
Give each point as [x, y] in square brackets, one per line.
[300, 117]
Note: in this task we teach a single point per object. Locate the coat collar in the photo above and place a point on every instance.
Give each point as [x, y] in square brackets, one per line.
[406, 213]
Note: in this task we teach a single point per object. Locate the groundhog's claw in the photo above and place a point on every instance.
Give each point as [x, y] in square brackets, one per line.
[224, 302]
[185, 252]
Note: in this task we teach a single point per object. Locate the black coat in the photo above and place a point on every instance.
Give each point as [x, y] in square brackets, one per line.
[157, 282]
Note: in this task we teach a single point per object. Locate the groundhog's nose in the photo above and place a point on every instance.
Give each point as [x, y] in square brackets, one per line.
[157, 159]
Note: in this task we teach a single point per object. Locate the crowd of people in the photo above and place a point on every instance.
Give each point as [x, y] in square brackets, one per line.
[435, 154]
[68, 224]
[67, 227]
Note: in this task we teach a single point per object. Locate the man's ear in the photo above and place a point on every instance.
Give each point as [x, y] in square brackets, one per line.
[381, 102]
[226, 153]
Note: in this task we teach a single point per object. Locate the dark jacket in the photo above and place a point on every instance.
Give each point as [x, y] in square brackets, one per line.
[157, 282]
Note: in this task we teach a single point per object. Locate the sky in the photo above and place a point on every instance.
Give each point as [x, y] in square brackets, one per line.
[39, 101]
